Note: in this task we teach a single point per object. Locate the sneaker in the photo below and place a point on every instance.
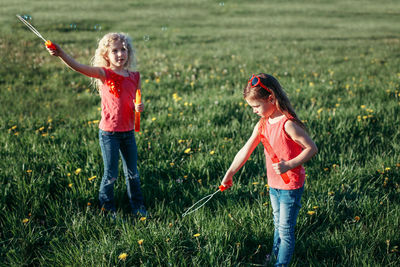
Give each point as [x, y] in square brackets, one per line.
[141, 211]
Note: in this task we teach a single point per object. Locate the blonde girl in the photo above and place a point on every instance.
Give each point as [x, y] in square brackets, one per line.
[117, 86]
[281, 130]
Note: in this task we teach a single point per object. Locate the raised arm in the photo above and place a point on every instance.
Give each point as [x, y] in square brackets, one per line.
[94, 72]
[241, 157]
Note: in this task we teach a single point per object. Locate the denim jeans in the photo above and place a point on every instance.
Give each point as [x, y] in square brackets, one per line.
[112, 145]
[285, 205]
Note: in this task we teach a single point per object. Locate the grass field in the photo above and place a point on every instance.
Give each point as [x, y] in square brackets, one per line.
[339, 62]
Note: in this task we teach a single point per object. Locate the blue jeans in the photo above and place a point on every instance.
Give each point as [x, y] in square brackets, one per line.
[285, 205]
[112, 145]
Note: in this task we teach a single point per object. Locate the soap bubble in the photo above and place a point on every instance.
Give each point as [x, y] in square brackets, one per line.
[26, 17]
[164, 28]
[97, 27]
[146, 38]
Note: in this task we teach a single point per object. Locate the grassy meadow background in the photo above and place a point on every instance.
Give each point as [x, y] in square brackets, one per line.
[339, 62]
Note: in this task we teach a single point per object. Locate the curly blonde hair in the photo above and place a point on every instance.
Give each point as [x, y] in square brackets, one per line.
[100, 59]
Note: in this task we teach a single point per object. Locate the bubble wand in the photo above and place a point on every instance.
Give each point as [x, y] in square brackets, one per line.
[48, 43]
[200, 203]
[138, 100]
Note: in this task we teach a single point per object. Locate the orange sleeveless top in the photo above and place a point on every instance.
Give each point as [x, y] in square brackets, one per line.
[117, 95]
[285, 149]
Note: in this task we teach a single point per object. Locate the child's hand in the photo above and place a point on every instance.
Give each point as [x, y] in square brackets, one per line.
[139, 107]
[54, 52]
[227, 181]
[280, 167]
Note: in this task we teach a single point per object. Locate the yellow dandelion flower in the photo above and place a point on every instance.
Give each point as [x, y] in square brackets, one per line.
[69, 185]
[142, 219]
[89, 204]
[311, 212]
[123, 256]
[212, 152]
[41, 128]
[92, 178]
[331, 193]
[14, 127]
[29, 171]
[153, 119]
[157, 80]
[172, 164]
[140, 242]
[95, 121]
[78, 171]
[315, 207]
[387, 169]
[199, 181]
[255, 183]
[196, 235]
[311, 84]
[187, 150]
[25, 220]
[320, 110]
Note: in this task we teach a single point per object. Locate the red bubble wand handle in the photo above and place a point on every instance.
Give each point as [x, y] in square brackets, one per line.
[203, 201]
[138, 100]
[47, 43]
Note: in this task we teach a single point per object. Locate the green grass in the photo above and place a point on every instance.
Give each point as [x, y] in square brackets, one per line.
[339, 62]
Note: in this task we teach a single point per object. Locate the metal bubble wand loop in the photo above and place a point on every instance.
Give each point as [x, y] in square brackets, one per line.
[207, 198]
[48, 43]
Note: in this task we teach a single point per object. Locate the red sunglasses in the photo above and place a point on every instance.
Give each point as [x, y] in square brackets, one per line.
[256, 81]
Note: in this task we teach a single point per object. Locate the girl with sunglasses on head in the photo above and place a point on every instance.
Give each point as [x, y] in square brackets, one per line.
[286, 147]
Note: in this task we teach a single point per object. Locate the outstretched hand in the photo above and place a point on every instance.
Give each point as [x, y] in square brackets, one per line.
[54, 50]
[227, 181]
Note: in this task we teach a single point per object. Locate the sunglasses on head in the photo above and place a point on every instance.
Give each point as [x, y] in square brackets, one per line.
[256, 81]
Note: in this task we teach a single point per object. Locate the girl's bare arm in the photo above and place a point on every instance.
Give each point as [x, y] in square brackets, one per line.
[94, 72]
[299, 135]
[241, 157]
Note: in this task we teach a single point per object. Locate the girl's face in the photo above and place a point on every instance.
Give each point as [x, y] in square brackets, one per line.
[117, 55]
[261, 107]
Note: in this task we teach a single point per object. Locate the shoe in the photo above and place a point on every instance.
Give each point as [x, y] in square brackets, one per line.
[141, 211]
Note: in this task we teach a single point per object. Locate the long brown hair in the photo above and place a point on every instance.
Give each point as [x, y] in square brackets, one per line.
[282, 101]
